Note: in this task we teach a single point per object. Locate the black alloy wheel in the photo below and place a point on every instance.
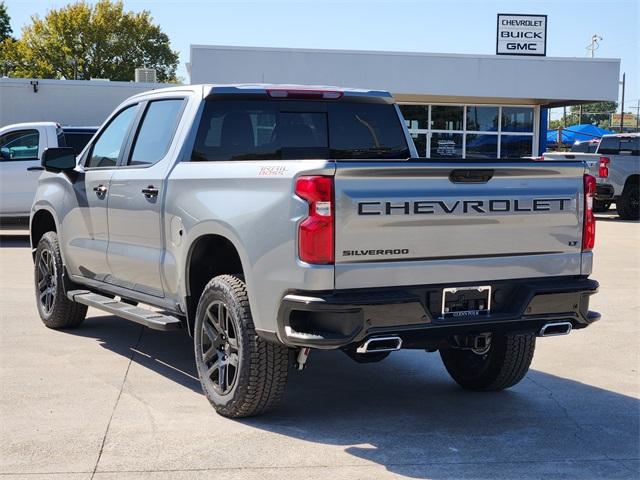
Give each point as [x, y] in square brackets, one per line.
[220, 348]
[46, 281]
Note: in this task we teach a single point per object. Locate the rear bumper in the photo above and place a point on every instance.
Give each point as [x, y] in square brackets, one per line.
[329, 320]
[604, 192]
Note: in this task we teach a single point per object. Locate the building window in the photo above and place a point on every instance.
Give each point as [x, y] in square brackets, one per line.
[471, 131]
[420, 141]
[446, 145]
[416, 116]
[515, 146]
[517, 119]
[483, 119]
[482, 146]
[446, 118]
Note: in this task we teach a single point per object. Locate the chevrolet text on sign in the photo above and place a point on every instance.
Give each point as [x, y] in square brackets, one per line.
[521, 34]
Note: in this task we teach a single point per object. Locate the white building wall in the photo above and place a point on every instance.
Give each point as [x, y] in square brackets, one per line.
[68, 102]
[416, 76]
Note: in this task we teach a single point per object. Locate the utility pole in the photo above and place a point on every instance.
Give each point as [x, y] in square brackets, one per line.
[564, 116]
[638, 116]
[580, 116]
[594, 45]
[622, 105]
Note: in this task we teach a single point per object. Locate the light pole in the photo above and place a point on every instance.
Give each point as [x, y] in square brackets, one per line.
[594, 45]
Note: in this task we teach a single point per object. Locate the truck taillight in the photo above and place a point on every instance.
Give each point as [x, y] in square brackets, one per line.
[603, 171]
[589, 224]
[315, 233]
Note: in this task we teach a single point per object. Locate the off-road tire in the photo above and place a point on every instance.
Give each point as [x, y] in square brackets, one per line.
[627, 204]
[60, 313]
[262, 366]
[601, 206]
[503, 366]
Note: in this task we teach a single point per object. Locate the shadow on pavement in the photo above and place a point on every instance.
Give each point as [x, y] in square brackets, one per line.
[408, 416]
[15, 241]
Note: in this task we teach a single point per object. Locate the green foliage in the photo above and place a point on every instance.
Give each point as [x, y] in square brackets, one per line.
[5, 23]
[592, 113]
[82, 41]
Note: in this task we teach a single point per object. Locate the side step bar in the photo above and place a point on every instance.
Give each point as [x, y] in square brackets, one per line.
[148, 318]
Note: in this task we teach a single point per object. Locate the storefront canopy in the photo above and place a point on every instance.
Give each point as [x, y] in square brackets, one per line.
[577, 133]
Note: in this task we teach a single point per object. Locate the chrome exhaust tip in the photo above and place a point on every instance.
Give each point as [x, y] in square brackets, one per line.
[380, 344]
[555, 329]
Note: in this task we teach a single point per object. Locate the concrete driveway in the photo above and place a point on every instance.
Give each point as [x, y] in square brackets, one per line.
[114, 400]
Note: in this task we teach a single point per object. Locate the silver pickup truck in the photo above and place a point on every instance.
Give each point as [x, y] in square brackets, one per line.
[616, 166]
[268, 221]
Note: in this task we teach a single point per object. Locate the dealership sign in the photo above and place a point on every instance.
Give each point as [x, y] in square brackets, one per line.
[521, 34]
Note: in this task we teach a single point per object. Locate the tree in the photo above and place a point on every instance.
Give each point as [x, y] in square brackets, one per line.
[82, 41]
[594, 113]
[5, 23]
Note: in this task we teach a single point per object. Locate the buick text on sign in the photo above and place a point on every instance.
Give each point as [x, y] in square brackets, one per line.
[521, 34]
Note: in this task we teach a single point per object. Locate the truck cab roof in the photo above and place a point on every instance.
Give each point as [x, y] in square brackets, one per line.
[325, 92]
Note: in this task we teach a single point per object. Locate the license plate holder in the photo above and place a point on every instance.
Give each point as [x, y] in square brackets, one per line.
[466, 301]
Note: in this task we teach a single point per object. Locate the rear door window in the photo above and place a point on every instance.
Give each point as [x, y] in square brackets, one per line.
[282, 130]
[156, 131]
[20, 145]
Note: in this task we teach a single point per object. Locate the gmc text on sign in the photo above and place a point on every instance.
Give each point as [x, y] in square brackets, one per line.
[520, 34]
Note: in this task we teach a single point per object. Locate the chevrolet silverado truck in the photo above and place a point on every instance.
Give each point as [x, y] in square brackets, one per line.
[616, 166]
[268, 221]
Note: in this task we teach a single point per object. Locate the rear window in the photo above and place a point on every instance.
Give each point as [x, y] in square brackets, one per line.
[75, 140]
[609, 145]
[629, 146]
[282, 130]
[618, 145]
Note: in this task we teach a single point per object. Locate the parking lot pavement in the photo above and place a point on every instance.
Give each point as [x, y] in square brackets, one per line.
[113, 400]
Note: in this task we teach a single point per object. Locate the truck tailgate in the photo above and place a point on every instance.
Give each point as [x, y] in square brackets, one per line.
[427, 222]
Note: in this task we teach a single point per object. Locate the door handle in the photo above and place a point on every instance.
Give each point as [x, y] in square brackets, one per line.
[100, 190]
[150, 191]
[33, 169]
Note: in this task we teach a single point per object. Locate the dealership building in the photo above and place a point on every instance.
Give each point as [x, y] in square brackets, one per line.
[455, 105]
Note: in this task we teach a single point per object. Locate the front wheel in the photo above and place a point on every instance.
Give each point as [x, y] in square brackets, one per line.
[503, 365]
[55, 309]
[241, 374]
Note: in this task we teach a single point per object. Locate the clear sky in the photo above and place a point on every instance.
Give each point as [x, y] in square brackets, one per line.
[450, 26]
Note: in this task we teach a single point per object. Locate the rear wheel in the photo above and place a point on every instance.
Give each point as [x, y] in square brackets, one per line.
[601, 206]
[241, 374]
[628, 204]
[55, 309]
[501, 366]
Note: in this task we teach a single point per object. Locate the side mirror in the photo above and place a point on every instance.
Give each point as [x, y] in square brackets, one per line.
[58, 159]
[5, 153]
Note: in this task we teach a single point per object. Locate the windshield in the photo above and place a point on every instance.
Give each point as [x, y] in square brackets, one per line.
[289, 129]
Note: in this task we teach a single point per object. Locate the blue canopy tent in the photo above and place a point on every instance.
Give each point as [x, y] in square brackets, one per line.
[577, 133]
